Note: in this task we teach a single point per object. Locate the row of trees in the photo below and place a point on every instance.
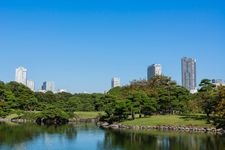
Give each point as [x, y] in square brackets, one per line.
[160, 95]
[17, 98]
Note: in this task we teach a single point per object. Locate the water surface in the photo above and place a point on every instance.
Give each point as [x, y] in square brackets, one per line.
[90, 137]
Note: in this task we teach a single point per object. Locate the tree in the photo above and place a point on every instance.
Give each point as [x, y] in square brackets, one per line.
[182, 99]
[7, 100]
[149, 106]
[142, 103]
[63, 96]
[21, 93]
[220, 102]
[30, 104]
[220, 107]
[73, 104]
[121, 111]
[110, 102]
[207, 94]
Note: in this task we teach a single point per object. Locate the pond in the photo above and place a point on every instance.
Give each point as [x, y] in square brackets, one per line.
[90, 137]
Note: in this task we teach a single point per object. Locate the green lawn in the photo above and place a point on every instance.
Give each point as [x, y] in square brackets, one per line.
[174, 120]
[85, 115]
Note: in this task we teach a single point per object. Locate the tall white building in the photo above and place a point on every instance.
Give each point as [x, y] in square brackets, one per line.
[48, 86]
[21, 75]
[188, 69]
[31, 85]
[115, 82]
[154, 70]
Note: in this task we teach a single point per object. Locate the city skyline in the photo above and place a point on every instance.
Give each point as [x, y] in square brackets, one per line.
[21, 77]
[188, 77]
[81, 46]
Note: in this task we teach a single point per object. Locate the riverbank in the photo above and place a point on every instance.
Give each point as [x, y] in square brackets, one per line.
[189, 129]
[70, 121]
[85, 117]
[188, 123]
[172, 120]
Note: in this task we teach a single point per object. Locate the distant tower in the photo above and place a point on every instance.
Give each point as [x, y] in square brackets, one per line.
[31, 85]
[115, 82]
[21, 75]
[154, 70]
[48, 86]
[188, 69]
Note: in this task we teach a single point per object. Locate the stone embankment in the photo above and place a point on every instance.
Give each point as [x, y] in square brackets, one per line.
[16, 120]
[84, 120]
[39, 121]
[163, 128]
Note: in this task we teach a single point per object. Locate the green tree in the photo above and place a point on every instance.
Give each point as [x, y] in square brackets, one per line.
[21, 93]
[30, 104]
[121, 111]
[220, 107]
[73, 104]
[207, 94]
[110, 103]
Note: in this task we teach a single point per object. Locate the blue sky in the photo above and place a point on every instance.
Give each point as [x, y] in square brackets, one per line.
[82, 44]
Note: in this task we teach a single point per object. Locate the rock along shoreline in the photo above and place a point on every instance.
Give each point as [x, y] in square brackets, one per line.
[188, 129]
[72, 120]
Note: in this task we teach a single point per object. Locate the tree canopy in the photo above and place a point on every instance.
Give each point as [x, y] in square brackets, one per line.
[159, 95]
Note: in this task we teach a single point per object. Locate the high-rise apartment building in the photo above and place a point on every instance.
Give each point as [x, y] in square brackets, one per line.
[154, 70]
[188, 69]
[48, 86]
[31, 85]
[115, 82]
[21, 75]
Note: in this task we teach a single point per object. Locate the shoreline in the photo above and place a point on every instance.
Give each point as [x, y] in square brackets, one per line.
[120, 126]
[180, 128]
[71, 120]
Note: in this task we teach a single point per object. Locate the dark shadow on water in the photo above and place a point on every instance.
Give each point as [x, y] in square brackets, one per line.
[11, 133]
[154, 140]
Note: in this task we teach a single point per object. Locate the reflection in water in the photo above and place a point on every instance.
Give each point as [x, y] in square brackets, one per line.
[155, 140]
[89, 137]
[14, 135]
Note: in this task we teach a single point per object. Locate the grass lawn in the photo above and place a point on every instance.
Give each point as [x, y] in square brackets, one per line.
[174, 120]
[84, 115]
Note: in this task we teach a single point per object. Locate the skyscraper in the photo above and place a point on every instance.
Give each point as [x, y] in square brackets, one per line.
[31, 85]
[48, 86]
[154, 70]
[188, 69]
[21, 75]
[115, 82]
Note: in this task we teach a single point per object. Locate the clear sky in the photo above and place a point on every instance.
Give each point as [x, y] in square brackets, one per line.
[82, 44]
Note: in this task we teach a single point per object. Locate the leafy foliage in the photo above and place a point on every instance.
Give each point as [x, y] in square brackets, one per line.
[207, 94]
[159, 95]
